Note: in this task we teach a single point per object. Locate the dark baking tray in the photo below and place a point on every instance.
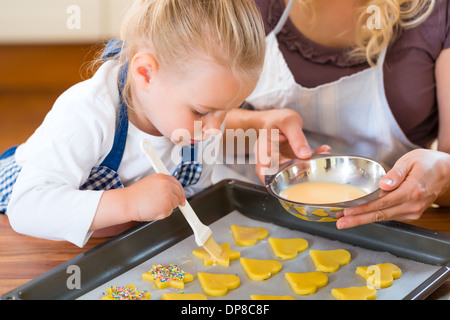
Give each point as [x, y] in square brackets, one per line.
[135, 246]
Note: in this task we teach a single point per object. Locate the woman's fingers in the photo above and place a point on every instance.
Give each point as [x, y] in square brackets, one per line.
[293, 132]
[324, 149]
[394, 177]
[407, 202]
[402, 212]
[390, 204]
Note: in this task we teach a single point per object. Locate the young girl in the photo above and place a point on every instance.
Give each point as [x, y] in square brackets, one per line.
[180, 62]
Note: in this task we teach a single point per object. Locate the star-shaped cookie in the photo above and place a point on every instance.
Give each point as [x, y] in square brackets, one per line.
[168, 276]
[224, 260]
[128, 292]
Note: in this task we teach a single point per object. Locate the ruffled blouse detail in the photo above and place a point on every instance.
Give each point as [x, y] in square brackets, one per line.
[294, 40]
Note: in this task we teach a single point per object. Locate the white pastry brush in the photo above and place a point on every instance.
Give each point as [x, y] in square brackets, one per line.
[202, 233]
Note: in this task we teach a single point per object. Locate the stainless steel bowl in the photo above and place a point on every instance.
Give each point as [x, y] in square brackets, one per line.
[360, 172]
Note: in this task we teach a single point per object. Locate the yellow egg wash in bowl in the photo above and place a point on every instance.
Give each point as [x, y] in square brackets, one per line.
[319, 188]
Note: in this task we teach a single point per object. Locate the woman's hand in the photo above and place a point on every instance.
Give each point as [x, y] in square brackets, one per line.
[272, 151]
[416, 181]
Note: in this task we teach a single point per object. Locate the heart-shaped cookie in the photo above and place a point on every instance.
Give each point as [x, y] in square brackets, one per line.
[287, 248]
[258, 269]
[225, 257]
[306, 283]
[270, 297]
[381, 275]
[248, 236]
[329, 260]
[183, 296]
[217, 285]
[355, 293]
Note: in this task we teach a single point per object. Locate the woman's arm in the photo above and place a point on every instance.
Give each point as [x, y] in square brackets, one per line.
[419, 178]
[443, 97]
[290, 142]
[271, 149]
[287, 121]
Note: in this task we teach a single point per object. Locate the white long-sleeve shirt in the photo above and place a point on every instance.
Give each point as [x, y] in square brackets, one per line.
[75, 136]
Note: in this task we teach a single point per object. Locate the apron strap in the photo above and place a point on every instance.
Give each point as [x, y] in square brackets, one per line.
[284, 17]
[9, 152]
[112, 48]
[381, 58]
[114, 158]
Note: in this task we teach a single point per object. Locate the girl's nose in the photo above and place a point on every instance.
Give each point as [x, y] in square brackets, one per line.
[212, 125]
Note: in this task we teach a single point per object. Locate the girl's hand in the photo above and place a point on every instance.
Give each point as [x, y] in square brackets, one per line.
[408, 189]
[291, 143]
[154, 197]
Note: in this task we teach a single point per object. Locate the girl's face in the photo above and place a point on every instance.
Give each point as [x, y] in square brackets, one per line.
[178, 105]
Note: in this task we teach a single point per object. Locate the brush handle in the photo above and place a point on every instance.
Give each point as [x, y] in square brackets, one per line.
[153, 157]
[201, 232]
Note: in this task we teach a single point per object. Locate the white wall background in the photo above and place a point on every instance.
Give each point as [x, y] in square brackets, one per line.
[60, 21]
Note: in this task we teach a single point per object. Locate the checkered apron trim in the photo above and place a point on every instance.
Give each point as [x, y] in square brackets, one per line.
[190, 170]
[102, 178]
[188, 173]
[9, 171]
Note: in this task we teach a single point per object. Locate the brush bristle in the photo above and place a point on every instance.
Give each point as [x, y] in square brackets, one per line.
[213, 248]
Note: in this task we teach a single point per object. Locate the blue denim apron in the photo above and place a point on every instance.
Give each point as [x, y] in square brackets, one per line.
[104, 177]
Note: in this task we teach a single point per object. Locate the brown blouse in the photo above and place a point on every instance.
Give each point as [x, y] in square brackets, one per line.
[409, 76]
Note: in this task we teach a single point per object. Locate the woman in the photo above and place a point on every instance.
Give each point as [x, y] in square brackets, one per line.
[366, 78]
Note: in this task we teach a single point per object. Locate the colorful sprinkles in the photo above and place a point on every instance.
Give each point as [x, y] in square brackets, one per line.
[165, 276]
[125, 293]
[167, 273]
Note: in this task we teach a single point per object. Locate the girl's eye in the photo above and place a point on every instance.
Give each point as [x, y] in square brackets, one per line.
[199, 114]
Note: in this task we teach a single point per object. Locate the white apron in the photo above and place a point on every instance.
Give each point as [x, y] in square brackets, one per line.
[351, 115]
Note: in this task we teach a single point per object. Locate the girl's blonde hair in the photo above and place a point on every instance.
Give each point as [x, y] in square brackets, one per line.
[178, 31]
[394, 16]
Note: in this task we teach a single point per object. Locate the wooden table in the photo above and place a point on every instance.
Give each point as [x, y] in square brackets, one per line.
[23, 258]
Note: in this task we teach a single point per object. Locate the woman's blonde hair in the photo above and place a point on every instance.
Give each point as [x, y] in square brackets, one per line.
[393, 16]
[178, 31]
